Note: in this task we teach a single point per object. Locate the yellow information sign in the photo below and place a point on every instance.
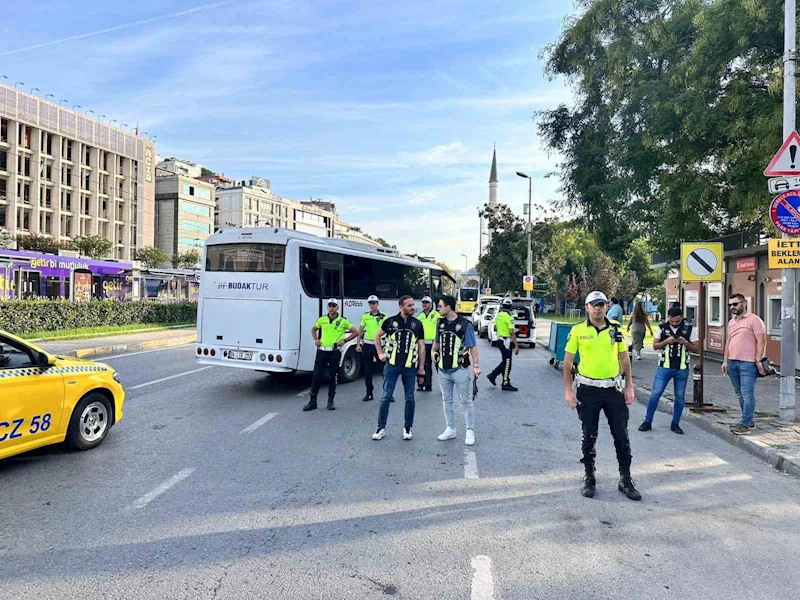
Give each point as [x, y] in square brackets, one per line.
[784, 253]
[701, 261]
[527, 283]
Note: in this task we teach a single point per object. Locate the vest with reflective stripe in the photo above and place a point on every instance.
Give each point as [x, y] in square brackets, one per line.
[451, 343]
[675, 356]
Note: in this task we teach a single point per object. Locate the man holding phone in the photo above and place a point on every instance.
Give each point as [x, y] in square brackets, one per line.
[676, 338]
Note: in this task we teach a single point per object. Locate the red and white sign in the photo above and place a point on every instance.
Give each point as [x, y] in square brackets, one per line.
[787, 160]
[746, 264]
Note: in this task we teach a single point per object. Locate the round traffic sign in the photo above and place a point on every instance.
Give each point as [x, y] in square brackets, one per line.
[702, 262]
[784, 211]
[527, 279]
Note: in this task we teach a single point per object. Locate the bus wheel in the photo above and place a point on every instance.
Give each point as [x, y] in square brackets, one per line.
[351, 366]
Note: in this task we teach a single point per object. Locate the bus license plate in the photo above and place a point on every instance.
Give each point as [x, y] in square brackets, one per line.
[240, 355]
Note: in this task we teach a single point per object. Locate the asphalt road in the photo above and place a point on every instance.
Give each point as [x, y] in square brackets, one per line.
[217, 485]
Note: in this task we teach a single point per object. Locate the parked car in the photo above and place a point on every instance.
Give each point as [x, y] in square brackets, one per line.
[485, 319]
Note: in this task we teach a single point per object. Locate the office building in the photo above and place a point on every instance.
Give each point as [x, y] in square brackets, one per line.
[180, 167]
[184, 213]
[251, 204]
[66, 175]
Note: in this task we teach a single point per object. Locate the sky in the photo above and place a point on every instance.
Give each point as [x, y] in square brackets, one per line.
[389, 109]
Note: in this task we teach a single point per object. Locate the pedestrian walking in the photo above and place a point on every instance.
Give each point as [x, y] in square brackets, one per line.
[455, 343]
[329, 336]
[636, 326]
[615, 311]
[676, 339]
[599, 386]
[744, 349]
[371, 321]
[536, 308]
[429, 317]
[506, 337]
[405, 358]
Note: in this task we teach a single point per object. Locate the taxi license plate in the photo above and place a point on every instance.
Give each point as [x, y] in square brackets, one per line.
[240, 355]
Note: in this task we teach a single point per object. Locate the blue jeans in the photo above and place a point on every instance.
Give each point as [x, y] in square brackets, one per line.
[743, 378]
[663, 375]
[390, 376]
[457, 381]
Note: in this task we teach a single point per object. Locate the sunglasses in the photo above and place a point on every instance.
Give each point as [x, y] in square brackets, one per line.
[733, 304]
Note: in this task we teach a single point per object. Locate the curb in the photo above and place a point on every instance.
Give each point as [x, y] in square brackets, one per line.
[99, 351]
[779, 461]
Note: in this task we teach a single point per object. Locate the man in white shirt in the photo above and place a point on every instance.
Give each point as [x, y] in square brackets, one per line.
[675, 339]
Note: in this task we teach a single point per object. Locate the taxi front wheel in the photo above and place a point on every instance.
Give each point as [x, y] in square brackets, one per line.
[90, 422]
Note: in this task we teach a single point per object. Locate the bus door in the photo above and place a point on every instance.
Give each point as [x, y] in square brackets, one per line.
[331, 270]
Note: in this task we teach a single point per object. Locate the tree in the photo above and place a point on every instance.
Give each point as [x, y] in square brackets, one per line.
[678, 109]
[150, 257]
[503, 263]
[206, 172]
[6, 240]
[600, 276]
[35, 242]
[190, 259]
[383, 242]
[93, 246]
[629, 286]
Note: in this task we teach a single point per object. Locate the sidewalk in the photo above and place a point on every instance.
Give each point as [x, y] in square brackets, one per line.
[120, 344]
[773, 441]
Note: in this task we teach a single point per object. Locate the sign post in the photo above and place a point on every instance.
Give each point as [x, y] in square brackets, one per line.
[701, 262]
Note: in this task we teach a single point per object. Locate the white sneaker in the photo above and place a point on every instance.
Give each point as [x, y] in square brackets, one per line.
[379, 434]
[638, 358]
[447, 434]
[470, 439]
[406, 433]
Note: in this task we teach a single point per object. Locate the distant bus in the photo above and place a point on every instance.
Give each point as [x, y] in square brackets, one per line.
[261, 291]
[468, 291]
[34, 275]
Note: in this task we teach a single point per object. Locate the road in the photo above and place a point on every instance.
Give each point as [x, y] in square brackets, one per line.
[217, 485]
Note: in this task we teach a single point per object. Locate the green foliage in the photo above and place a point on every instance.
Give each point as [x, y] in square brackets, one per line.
[150, 257]
[6, 240]
[93, 246]
[35, 242]
[503, 263]
[678, 110]
[23, 316]
[190, 259]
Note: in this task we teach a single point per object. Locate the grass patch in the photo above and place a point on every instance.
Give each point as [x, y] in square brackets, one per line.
[83, 333]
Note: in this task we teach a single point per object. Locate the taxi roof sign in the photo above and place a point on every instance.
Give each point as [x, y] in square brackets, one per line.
[701, 261]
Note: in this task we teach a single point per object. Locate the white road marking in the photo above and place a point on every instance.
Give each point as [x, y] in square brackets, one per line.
[259, 423]
[102, 358]
[304, 392]
[169, 483]
[141, 385]
[482, 582]
[470, 465]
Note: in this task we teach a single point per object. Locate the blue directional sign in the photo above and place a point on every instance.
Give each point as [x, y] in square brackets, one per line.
[785, 212]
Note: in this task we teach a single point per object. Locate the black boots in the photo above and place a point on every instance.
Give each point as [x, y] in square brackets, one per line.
[589, 483]
[626, 487]
[492, 378]
[312, 405]
[330, 405]
[507, 387]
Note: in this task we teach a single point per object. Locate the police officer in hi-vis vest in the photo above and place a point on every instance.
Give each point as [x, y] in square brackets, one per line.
[329, 336]
[428, 317]
[599, 387]
[506, 336]
[370, 323]
[675, 339]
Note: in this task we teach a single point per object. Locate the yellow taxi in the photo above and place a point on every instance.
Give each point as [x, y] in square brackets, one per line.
[46, 399]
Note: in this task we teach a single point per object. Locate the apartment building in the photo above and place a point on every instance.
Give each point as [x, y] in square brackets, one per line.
[181, 167]
[184, 212]
[346, 231]
[66, 175]
[251, 205]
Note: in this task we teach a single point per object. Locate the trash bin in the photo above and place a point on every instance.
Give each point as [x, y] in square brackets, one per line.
[559, 332]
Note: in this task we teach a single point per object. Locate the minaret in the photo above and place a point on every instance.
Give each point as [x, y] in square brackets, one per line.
[493, 183]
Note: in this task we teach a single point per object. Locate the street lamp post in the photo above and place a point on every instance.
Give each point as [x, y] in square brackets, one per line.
[46, 96]
[76, 106]
[60, 101]
[18, 83]
[465, 263]
[528, 262]
[35, 90]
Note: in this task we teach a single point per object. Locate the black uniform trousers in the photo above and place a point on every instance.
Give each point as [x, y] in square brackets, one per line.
[591, 402]
[371, 365]
[505, 363]
[326, 366]
[428, 380]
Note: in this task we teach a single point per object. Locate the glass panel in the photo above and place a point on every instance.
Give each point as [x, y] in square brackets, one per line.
[245, 258]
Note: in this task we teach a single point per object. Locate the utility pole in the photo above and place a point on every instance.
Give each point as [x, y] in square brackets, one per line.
[528, 264]
[788, 311]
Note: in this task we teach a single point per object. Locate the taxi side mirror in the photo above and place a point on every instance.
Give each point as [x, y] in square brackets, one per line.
[45, 360]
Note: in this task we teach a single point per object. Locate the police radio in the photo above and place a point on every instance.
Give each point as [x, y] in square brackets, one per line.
[616, 335]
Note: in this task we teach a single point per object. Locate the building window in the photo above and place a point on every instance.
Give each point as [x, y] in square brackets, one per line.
[188, 242]
[195, 209]
[2, 216]
[48, 197]
[24, 136]
[3, 131]
[195, 227]
[2, 189]
[24, 165]
[3, 160]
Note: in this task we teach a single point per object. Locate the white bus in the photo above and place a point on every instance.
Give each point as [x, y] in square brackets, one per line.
[262, 289]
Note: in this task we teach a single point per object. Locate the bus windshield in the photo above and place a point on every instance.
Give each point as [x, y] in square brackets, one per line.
[468, 294]
[245, 258]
